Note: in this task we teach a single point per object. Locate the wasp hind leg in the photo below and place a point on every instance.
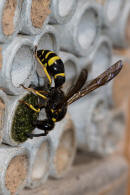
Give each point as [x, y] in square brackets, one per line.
[30, 106]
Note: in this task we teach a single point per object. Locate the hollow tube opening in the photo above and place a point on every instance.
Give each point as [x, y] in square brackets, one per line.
[70, 69]
[102, 59]
[65, 6]
[87, 28]
[41, 165]
[22, 66]
[113, 10]
[47, 41]
[65, 151]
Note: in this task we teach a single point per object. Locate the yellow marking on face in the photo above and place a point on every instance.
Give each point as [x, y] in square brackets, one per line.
[45, 70]
[53, 119]
[52, 60]
[60, 74]
[48, 54]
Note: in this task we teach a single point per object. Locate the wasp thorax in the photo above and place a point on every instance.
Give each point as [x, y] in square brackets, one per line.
[56, 110]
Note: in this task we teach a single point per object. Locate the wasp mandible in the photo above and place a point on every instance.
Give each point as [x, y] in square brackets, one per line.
[56, 100]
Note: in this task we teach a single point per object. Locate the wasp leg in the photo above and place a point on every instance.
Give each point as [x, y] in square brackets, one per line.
[30, 106]
[35, 91]
[36, 135]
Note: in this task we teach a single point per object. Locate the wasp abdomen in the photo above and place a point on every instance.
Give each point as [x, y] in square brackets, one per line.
[53, 64]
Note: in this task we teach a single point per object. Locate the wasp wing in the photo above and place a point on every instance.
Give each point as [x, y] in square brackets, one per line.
[78, 85]
[101, 80]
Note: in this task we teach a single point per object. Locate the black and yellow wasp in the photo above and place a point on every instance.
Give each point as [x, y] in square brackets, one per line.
[56, 101]
[52, 66]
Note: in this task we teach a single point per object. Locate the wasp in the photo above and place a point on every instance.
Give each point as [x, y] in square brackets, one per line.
[56, 100]
[52, 66]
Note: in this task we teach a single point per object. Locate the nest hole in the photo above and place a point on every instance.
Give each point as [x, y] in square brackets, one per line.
[65, 6]
[8, 17]
[47, 41]
[87, 29]
[65, 151]
[41, 165]
[22, 70]
[16, 173]
[113, 10]
[39, 12]
[102, 59]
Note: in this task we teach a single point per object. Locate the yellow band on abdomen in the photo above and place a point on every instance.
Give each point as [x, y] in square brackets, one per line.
[48, 54]
[60, 74]
[52, 60]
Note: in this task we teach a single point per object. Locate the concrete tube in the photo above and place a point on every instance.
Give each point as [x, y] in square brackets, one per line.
[118, 21]
[34, 16]
[18, 65]
[82, 31]
[96, 130]
[113, 10]
[39, 160]
[101, 60]
[62, 11]
[63, 147]
[9, 26]
[13, 169]
[18, 119]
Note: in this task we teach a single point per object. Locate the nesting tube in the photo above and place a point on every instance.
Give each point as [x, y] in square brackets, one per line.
[71, 68]
[18, 118]
[34, 16]
[62, 11]
[13, 169]
[118, 19]
[39, 160]
[96, 130]
[63, 147]
[82, 31]
[101, 60]
[70, 63]
[9, 19]
[113, 9]
[17, 66]
[101, 56]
